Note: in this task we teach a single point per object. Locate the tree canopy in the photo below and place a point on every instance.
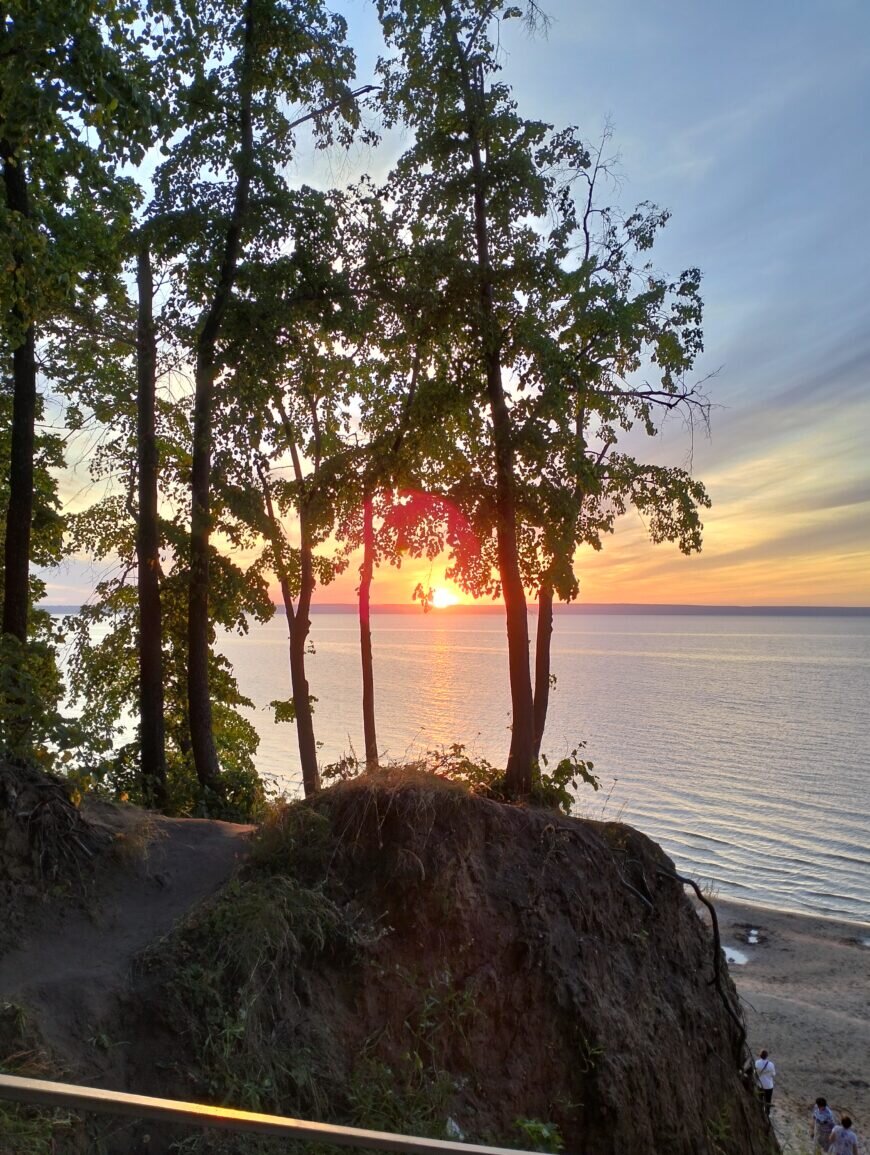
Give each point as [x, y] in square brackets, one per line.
[278, 380]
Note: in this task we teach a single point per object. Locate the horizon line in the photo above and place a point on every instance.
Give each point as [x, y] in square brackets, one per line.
[558, 608]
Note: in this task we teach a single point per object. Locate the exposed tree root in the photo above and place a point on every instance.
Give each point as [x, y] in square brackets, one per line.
[43, 836]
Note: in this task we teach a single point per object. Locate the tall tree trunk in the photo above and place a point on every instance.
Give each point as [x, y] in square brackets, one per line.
[19, 513]
[151, 730]
[198, 636]
[365, 635]
[542, 661]
[518, 777]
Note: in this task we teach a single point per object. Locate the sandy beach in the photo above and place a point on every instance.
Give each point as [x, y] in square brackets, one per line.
[805, 987]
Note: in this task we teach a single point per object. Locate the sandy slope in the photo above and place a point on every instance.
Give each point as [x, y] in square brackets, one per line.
[72, 960]
[806, 993]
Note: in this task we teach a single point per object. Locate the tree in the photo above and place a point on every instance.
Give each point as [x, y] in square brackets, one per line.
[73, 104]
[401, 337]
[151, 698]
[95, 362]
[260, 59]
[104, 663]
[30, 684]
[603, 344]
[309, 426]
[479, 174]
[66, 71]
[558, 321]
[614, 340]
[281, 441]
[106, 359]
[389, 526]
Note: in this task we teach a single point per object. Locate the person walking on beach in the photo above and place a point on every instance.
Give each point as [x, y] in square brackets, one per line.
[765, 1074]
[844, 1141]
[823, 1124]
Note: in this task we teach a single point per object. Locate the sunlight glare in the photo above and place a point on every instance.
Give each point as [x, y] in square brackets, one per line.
[442, 598]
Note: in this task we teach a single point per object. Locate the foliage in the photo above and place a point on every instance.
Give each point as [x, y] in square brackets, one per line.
[452, 762]
[295, 839]
[227, 1000]
[275, 923]
[553, 790]
[31, 687]
[343, 769]
[410, 1099]
[285, 918]
[558, 788]
[74, 101]
[31, 725]
[464, 350]
[538, 1136]
[103, 672]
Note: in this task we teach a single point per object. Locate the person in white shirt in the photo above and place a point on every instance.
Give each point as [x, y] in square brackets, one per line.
[765, 1074]
[844, 1141]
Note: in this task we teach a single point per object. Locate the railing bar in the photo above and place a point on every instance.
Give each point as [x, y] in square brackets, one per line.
[73, 1097]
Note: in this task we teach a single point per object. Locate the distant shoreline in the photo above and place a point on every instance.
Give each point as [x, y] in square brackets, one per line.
[615, 608]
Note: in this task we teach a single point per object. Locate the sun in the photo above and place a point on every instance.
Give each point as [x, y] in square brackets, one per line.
[442, 598]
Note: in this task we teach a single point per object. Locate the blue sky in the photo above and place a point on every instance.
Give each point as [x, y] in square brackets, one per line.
[749, 121]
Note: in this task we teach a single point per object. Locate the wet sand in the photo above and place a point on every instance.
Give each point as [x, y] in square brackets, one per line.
[805, 988]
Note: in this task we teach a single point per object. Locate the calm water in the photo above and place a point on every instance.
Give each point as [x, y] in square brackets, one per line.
[741, 744]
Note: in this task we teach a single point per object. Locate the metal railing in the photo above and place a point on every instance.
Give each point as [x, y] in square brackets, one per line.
[47, 1094]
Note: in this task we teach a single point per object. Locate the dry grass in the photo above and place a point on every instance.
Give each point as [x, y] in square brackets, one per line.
[129, 830]
[27, 1130]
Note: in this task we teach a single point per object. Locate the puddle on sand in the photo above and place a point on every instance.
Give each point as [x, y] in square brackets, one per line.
[865, 942]
[752, 936]
[735, 957]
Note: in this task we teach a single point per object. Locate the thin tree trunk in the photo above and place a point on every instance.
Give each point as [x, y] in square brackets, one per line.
[299, 682]
[302, 706]
[367, 574]
[298, 626]
[19, 513]
[198, 696]
[151, 728]
[365, 636]
[518, 777]
[542, 661]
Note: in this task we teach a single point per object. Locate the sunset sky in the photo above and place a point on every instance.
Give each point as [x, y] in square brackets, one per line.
[748, 121]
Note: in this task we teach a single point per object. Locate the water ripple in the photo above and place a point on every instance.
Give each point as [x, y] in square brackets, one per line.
[738, 743]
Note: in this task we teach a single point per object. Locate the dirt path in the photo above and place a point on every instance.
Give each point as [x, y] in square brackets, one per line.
[74, 962]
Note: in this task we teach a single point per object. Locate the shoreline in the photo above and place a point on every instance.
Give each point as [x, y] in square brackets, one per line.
[861, 927]
[805, 991]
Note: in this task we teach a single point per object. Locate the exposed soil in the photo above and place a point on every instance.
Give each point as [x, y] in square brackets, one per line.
[46, 844]
[403, 955]
[73, 964]
[495, 964]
